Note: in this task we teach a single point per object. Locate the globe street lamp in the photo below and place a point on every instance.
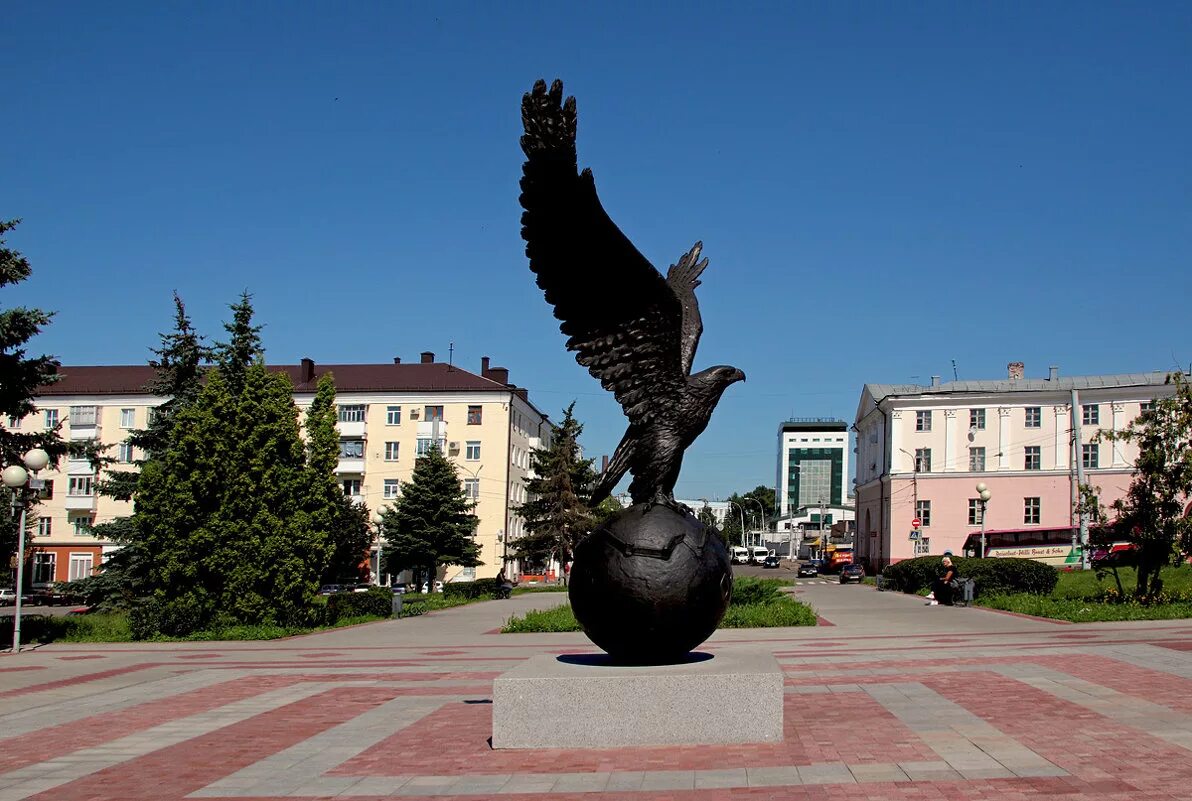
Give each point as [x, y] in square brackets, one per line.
[16, 478]
[983, 494]
[761, 520]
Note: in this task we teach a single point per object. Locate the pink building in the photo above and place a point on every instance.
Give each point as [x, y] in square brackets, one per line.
[921, 451]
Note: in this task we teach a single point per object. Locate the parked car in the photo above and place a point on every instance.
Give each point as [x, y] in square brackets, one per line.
[808, 569]
[771, 561]
[740, 555]
[438, 586]
[757, 554]
[851, 572]
[330, 589]
[8, 596]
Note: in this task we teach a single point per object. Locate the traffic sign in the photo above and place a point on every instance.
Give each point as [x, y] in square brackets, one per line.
[915, 523]
[914, 535]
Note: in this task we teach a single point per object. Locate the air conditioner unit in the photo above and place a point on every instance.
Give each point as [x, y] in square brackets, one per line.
[453, 446]
[414, 414]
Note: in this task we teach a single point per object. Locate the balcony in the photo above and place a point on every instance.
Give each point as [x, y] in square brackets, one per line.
[79, 467]
[435, 429]
[80, 503]
[350, 465]
[351, 429]
[82, 432]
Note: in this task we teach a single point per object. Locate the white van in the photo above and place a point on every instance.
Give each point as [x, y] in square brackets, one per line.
[740, 555]
[758, 554]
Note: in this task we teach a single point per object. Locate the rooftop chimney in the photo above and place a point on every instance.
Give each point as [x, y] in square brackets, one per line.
[498, 374]
[306, 373]
[1014, 371]
[935, 381]
[484, 367]
[428, 357]
[397, 360]
[1053, 373]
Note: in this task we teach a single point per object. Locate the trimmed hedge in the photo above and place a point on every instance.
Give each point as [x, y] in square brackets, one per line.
[480, 588]
[377, 601]
[992, 576]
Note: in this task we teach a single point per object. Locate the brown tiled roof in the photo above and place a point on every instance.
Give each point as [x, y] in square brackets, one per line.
[432, 377]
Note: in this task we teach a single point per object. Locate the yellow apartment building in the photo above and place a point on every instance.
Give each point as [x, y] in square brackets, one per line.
[388, 415]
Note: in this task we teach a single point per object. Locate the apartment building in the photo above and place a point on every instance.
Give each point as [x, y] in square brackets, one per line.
[921, 450]
[388, 415]
[813, 465]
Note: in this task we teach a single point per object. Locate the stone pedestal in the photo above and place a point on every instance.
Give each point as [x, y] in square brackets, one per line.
[586, 701]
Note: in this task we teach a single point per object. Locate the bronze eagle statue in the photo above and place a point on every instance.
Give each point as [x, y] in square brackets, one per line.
[634, 330]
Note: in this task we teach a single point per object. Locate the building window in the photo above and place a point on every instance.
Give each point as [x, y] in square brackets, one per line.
[1143, 408]
[923, 512]
[424, 445]
[45, 526]
[47, 491]
[51, 419]
[391, 451]
[475, 415]
[1090, 456]
[126, 455]
[352, 487]
[923, 421]
[433, 414]
[351, 449]
[391, 489]
[472, 453]
[393, 416]
[83, 415]
[977, 419]
[43, 568]
[1034, 417]
[81, 486]
[128, 418]
[1031, 511]
[472, 488]
[80, 566]
[977, 460]
[922, 460]
[1090, 414]
[82, 525]
[14, 423]
[974, 516]
[1034, 457]
[352, 414]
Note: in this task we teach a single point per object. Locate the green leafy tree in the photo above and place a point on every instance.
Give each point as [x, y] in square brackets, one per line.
[431, 524]
[345, 522]
[1151, 514]
[20, 376]
[557, 515]
[707, 516]
[753, 516]
[604, 510]
[243, 347]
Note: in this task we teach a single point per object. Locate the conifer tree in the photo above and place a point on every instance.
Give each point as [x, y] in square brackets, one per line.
[431, 524]
[707, 516]
[243, 347]
[557, 514]
[345, 522]
[20, 376]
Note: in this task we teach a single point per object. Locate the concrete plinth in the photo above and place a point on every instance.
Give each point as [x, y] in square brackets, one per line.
[583, 701]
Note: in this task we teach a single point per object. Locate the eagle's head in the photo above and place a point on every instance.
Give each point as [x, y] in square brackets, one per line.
[715, 380]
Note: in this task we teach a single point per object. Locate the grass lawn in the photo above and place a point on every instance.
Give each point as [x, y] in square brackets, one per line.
[757, 603]
[1078, 597]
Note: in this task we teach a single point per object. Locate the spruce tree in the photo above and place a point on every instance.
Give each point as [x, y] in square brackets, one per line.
[243, 347]
[431, 524]
[556, 515]
[707, 516]
[20, 376]
[345, 523]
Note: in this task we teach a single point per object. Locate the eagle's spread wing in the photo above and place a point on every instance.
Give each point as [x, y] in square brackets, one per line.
[683, 279]
[624, 321]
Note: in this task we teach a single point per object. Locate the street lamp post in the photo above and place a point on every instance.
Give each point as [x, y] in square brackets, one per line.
[983, 494]
[378, 520]
[742, 511]
[761, 510]
[16, 478]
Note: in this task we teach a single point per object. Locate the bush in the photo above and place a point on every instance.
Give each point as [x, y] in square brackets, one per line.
[780, 612]
[755, 591]
[378, 602]
[480, 588]
[992, 576]
[559, 618]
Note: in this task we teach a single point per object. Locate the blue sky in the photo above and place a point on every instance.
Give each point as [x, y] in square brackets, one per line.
[881, 188]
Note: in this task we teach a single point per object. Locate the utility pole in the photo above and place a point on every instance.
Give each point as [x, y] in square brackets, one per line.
[1078, 458]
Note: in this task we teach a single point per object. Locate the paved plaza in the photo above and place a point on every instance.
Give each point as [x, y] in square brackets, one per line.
[889, 699]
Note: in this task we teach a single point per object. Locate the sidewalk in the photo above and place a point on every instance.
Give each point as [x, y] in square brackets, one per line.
[895, 700]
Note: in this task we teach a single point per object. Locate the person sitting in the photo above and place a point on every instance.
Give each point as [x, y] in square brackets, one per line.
[504, 585]
[944, 589]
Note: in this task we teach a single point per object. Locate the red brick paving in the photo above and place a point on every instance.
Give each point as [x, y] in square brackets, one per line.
[818, 728]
